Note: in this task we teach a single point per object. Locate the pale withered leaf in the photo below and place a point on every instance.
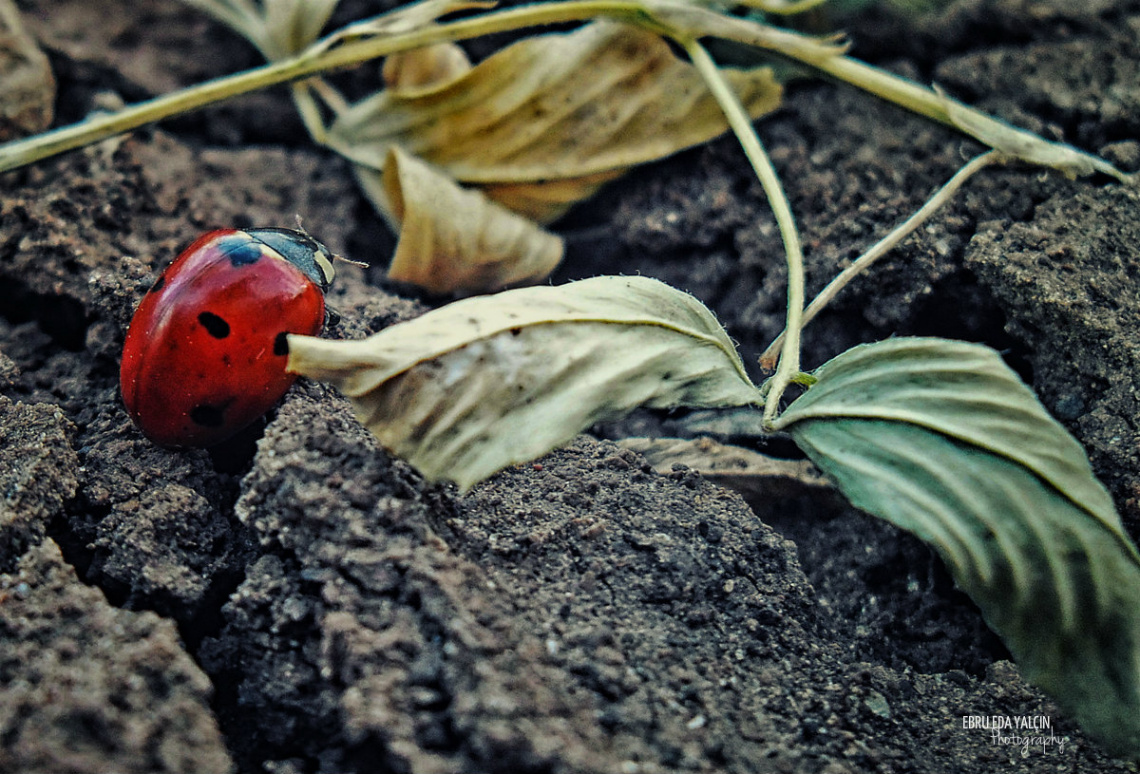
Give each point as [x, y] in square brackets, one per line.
[483, 383]
[278, 28]
[455, 240]
[404, 18]
[408, 73]
[547, 200]
[549, 109]
[754, 475]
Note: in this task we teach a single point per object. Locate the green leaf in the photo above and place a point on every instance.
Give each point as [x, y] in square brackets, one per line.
[942, 439]
[483, 383]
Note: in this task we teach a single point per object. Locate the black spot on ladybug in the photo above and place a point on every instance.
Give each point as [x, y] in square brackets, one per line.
[214, 325]
[207, 415]
[281, 344]
[158, 284]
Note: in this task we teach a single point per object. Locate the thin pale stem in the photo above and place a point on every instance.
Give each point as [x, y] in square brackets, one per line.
[930, 103]
[100, 127]
[889, 242]
[741, 124]
[783, 7]
[670, 17]
[309, 110]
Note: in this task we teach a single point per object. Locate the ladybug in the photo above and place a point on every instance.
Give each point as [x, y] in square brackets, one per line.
[206, 350]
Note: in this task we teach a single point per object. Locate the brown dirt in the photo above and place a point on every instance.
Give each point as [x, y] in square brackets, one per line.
[298, 601]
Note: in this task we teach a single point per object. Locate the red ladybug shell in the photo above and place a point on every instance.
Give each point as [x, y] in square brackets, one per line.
[205, 353]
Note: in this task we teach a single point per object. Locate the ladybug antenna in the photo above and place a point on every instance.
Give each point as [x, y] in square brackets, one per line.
[333, 256]
[342, 259]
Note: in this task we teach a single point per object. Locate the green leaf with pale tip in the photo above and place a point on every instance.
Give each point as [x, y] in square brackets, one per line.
[942, 439]
[486, 382]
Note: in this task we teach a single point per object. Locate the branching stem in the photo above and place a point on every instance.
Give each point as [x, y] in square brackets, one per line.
[741, 125]
[100, 127]
[887, 243]
[664, 16]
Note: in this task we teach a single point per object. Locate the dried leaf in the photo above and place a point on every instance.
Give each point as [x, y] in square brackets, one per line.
[404, 18]
[560, 107]
[754, 475]
[548, 200]
[477, 385]
[278, 28]
[454, 240]
[408, 73]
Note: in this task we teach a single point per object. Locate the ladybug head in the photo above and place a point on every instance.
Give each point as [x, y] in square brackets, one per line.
[301, 250]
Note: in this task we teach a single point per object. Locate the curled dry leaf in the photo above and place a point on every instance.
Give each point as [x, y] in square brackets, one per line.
[549, 199]
[483, 383]
[558, 114]
[411, 72]
[454, 240]
[278, 28]
[754, 475]
[403, 18]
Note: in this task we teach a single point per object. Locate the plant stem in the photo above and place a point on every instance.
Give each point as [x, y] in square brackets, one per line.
[927, 102]
[783, 7]
[670, 17]
[888, 243]
[741, 125]
[100, 127]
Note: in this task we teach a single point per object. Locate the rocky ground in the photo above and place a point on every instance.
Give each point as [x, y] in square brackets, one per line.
[298, 601]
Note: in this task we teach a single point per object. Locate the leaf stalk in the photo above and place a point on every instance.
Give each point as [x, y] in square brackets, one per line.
[663, 16]
[888, 243]
[741, 124]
